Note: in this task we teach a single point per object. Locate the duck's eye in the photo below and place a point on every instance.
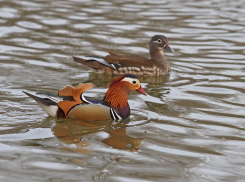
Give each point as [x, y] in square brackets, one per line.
[159, 40]
[133, 82]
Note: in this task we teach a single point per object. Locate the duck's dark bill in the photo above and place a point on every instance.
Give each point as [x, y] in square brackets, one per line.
[168, 48]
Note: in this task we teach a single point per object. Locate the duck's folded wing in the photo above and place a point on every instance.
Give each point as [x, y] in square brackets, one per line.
[128, 60]
[66, 91]
[76, 93]
[94, 62]
[115, 61]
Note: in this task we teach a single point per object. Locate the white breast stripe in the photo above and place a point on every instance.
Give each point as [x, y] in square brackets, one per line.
[119, 117]
[85, 100]
[113, 116]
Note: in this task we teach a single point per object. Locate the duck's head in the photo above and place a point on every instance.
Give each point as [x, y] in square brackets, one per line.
[159, 43]
[117, 95]
[130, 81]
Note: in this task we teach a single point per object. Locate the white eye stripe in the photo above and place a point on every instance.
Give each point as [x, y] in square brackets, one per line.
[131, 80]
[158, 41]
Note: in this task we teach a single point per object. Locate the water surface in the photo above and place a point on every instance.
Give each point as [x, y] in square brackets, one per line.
[190, 127]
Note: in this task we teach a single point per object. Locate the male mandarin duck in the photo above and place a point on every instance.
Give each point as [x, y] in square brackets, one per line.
[117, 64]
[71, 103]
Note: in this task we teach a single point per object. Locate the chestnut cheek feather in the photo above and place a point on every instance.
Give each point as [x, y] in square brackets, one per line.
[140, 90]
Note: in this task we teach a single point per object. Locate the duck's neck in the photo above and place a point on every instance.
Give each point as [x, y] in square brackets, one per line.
[117, 97]
[159, 59]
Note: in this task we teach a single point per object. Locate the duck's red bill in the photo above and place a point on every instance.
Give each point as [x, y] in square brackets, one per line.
[140, 90]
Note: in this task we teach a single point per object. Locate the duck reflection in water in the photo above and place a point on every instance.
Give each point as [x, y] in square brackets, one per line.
[71, 132]
[120, 140]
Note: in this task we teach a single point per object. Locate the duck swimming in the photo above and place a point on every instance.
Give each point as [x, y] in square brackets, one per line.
[71, 103]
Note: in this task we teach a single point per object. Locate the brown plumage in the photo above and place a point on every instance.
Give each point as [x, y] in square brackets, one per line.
[117, 64]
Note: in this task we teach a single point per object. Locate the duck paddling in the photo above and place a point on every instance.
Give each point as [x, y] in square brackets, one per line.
[71, 102]
[118, 64]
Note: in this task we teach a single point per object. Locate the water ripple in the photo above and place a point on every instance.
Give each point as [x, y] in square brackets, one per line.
[190, 127]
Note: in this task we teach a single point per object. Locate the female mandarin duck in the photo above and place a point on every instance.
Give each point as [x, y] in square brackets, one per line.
[71, 103]
[117, 64]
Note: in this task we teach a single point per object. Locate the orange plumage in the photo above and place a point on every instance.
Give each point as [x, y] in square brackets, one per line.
[75, 92]
[117, 95]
